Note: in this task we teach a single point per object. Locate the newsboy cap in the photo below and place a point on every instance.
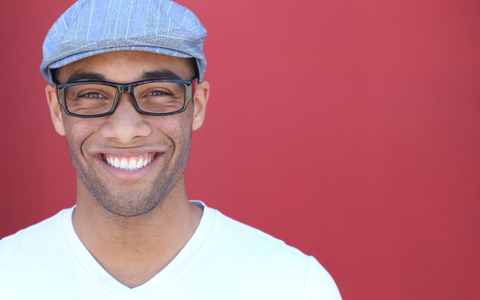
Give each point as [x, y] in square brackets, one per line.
[91, 27]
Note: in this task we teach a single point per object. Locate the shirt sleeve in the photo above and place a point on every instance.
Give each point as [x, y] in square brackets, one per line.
[319, 284]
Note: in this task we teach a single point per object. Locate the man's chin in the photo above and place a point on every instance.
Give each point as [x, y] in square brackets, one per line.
[129, 204]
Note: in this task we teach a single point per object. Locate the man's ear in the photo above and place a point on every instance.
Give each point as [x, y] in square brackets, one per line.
[200, 103]
[55, 109]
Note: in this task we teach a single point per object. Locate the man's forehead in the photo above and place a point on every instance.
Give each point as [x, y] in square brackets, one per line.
[126, 65]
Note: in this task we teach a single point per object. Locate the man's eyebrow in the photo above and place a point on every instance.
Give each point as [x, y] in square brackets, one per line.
[162, 74]
[82, 76]
[85, 76]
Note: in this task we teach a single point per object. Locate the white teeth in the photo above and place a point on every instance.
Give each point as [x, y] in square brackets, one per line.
[132, 165]
[140, 163]
[124, 163]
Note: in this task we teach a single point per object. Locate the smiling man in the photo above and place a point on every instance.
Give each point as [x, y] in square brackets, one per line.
[126, 90]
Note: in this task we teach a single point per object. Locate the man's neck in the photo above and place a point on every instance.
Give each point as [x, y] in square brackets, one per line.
[134, 249]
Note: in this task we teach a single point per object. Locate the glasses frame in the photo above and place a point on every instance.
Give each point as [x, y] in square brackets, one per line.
[125, 88]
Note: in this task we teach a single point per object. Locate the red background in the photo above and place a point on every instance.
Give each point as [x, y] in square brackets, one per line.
[350, 129]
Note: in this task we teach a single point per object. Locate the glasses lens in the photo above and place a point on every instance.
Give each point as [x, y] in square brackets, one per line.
[89, 99]
[160, 97]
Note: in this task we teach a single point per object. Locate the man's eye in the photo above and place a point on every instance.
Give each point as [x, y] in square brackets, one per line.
[158, 93]
[91, 95]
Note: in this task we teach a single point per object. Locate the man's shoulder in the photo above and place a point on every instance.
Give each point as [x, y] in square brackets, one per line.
[249, 239]
[261, 259]
[249, 249]
[32, 237]
[38, 262]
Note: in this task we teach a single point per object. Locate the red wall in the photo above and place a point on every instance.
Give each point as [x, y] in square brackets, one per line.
[350, 129]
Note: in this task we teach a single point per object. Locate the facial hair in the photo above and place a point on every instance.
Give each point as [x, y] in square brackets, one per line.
[134, 203]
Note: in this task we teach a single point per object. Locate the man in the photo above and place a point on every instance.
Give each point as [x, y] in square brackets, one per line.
[126, 90]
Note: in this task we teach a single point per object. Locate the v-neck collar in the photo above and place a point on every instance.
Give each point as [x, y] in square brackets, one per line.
[103, 278]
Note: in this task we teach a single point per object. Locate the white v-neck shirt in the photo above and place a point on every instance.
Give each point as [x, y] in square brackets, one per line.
[224, 259]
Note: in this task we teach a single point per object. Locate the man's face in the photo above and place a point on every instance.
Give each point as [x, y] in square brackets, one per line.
[127, 135]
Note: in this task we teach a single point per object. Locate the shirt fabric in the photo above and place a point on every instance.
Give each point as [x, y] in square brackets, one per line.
[224, 259]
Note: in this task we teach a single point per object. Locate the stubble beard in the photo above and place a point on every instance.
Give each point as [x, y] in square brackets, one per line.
[133, 203]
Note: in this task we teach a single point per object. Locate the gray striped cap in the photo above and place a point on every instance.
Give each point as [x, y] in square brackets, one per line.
[91, 27]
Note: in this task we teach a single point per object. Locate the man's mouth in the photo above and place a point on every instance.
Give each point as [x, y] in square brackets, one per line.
[129, 163]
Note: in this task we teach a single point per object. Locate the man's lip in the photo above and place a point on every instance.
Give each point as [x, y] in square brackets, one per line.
[123, 152]
[100, 153]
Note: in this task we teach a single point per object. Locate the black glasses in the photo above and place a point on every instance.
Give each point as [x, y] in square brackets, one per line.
[93, 99]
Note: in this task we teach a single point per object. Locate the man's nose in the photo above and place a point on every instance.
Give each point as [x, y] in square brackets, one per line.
[126, 123]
